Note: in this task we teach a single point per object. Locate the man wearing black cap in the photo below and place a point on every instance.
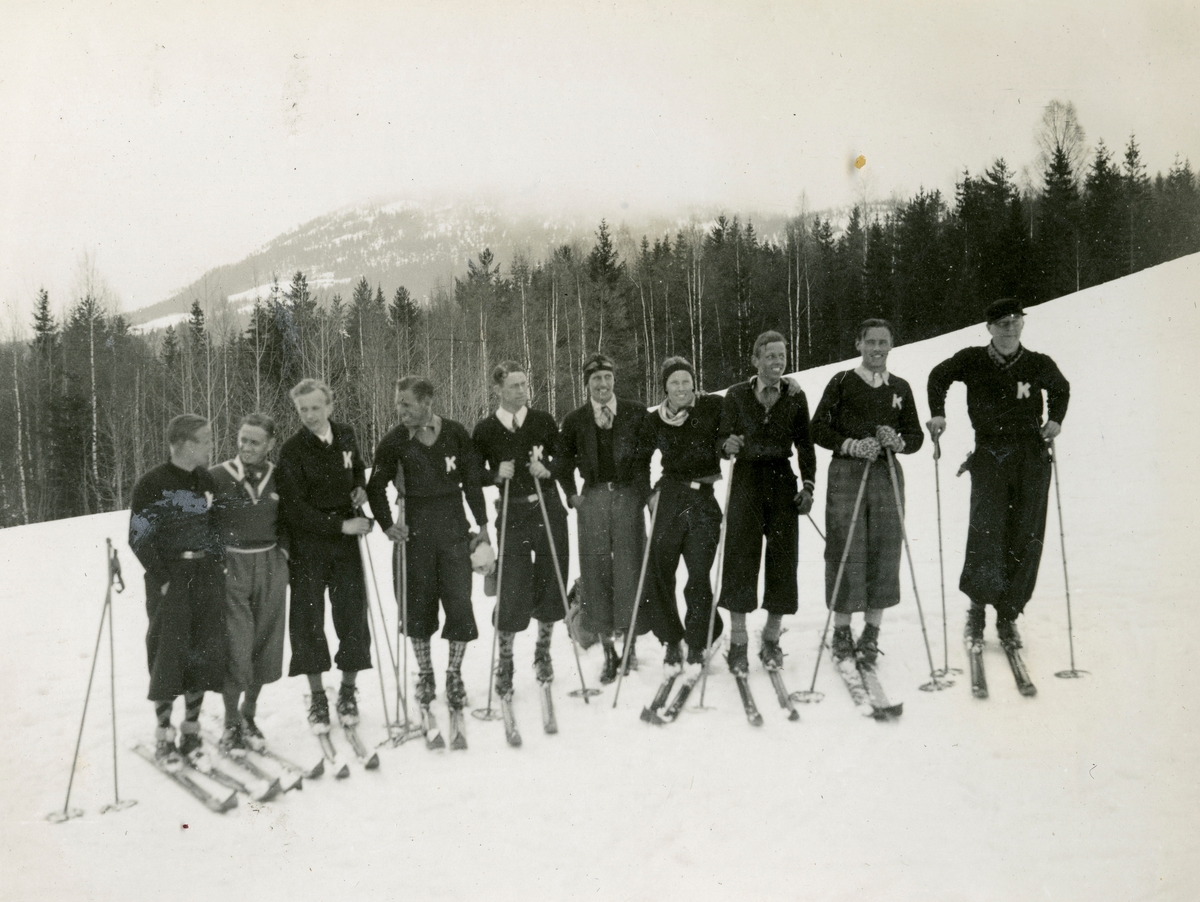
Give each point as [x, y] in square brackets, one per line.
[600, 440]
[1010, 467]
[683, 428]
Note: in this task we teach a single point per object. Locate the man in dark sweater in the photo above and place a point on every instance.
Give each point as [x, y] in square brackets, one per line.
[435, 461]
[863, 413]
[173, 534]
[761, 421]
[256, 576]
[600, 440]
[687, 522]
[1010, 466]
[321, 478]
[517, 445]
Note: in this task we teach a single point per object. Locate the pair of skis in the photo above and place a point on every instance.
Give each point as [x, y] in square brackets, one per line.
[1016, 663]
[866, 691]
[659, 713]
[434, 741]
[549, 722]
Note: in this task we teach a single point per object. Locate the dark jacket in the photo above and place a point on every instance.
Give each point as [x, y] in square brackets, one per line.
[315, 481]
[770, 436]
[851, 409]
[172, 512]
[496, 444]
[688, 451]
[577, 448]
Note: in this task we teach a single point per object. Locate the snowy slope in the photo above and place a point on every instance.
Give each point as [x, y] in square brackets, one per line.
[1088, 792]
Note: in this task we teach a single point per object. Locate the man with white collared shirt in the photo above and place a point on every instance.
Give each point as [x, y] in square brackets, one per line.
[600, 439]
[256, 579]
[863, 412]
[518, 446]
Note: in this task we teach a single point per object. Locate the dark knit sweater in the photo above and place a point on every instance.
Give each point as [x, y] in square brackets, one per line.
[449, 468]
[247, 509]
[851, 409]
[315, 481]
[769, 435]
[1002, 401]
[170, 513]
[496, 444]
[689, 451]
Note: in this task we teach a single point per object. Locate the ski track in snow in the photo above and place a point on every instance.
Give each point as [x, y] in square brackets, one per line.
[1087, 792]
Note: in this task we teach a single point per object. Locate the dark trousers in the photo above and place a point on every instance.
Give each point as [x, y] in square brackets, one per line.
[334, 564]
[872, 576]
[687, 525]
[761, 503]
[612, 534]
[1010, 485]
[186, 644]
[439, 569]
[530, 588]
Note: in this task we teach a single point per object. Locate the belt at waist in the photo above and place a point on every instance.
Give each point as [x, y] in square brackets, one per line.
[192, 555]
[232, 549]
[605, 486]
[695, 485]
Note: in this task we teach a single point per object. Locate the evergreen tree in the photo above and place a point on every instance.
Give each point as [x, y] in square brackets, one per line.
[1103, 219]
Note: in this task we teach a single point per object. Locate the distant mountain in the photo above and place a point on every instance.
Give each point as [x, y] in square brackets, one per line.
[404, 243]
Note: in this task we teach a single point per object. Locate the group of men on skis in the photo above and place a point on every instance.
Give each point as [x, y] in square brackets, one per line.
[219, 546]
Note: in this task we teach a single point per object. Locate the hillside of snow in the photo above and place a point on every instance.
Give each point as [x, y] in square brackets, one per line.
[1087, 792]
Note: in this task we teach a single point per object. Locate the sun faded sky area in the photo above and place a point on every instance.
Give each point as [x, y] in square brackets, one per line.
[163, 141]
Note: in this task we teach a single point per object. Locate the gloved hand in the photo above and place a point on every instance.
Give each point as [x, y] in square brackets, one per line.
[936, 426]
[538, 470]
[483, 559]
[864, 449]
[803, 502]
[477, 539]
[889, 438]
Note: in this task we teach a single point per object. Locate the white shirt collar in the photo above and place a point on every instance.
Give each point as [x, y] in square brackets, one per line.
[327, 435]
[873, 379]
[611, 404]
[512, 421]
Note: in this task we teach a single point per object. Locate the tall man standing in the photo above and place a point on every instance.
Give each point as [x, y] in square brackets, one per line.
[517, 445]
[256, 578]
[173, 534]
[864, 413]
[440, 467]
[600, 440]
[1010, 466]
[762, 419]
[321, 479]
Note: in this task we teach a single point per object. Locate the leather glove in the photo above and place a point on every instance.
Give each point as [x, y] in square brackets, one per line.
[803, 502]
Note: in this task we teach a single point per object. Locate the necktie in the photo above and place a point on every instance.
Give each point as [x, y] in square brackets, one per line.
[604, 417]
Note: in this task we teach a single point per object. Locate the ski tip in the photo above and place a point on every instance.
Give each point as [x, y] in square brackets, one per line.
[437, 743]
[793, 715]
[343, 772]
[1029, 691]
[317, 771]
[514, 740]
[980, 692]
[372, 763]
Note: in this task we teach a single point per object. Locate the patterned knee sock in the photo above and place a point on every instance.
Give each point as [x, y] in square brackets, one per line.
[424, 653]
[545, 631]
[162, 711]
[457, 650]
[192, 702]
[506, 645]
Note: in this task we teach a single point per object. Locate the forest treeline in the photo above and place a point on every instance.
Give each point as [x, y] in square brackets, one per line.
[87, 399]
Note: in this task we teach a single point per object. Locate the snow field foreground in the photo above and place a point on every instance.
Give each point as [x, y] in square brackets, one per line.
[1087, 792]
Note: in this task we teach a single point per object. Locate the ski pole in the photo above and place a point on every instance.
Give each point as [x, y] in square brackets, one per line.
[712, 612]
[935, 683]
[375, 630]
[400, 665]
[937, 485]
[583, 690]
[637, 600]
[1062, 542]
[816, 527]
[487, 713]
[811, 694]
[114, 577]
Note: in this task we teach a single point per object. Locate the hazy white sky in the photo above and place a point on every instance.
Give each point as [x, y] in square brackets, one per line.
[163, 139]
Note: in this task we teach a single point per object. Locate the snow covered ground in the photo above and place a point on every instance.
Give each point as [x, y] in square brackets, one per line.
[1087, 792]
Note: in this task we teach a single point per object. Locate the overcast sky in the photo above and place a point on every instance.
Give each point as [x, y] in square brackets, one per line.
[161, 140]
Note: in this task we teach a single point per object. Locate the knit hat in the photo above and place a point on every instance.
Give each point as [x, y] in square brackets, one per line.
[1004, 307]
[595, 364]
[674, 365]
